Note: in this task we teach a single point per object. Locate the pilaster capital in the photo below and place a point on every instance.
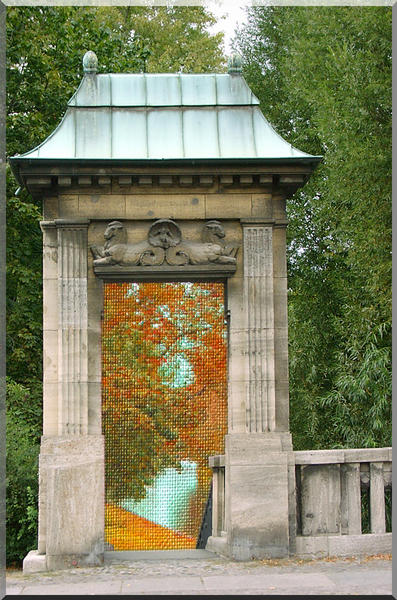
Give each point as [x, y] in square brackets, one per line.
[257, 222]
[76, 223]
[281, 223]
[47, 226]
[263, 222]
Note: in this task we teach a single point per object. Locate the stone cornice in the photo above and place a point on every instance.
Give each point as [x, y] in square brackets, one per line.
[240, 177]
[166, 273]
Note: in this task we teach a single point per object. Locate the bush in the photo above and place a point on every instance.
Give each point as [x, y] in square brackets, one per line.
[22, 444]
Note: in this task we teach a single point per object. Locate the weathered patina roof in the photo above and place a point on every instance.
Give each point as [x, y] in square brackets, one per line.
[163, 117]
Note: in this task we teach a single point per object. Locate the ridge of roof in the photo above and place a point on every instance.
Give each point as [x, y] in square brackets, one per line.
[162, 89]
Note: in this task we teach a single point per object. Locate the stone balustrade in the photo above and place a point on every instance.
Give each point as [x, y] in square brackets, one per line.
[331, 519]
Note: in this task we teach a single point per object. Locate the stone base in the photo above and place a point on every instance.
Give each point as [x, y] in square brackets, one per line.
[218, 545]
[117, 556]
[69, 561]
[322, 546]
[34, 562]
[71, 501]
[260, 495]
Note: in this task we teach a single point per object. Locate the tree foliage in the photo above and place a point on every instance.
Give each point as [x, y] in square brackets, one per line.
[323, 76]
[22, 446]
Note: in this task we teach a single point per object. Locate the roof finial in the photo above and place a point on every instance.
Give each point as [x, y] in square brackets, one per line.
[234, 64]
[90, 62]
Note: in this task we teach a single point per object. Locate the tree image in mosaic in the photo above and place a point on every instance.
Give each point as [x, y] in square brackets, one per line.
[163, 409]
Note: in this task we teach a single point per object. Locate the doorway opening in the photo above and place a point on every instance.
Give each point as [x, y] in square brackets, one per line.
[164, 410]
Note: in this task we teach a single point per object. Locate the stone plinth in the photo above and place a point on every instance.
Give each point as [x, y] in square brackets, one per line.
[258, 508]
[71, 502]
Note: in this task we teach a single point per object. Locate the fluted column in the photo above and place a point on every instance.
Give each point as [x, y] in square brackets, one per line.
[259, 303]
[72, 327]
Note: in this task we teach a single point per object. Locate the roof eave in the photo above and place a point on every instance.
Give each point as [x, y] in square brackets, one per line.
[21, 160]
[18, 162]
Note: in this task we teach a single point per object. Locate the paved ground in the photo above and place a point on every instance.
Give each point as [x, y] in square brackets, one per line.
[213, 575]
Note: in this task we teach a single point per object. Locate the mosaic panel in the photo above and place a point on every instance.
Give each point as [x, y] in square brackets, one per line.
[164, 409]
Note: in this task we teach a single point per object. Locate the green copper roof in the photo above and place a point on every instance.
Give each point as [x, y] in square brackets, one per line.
[164, 116]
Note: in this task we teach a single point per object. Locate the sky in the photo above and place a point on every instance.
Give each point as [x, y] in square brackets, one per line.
[234, 13]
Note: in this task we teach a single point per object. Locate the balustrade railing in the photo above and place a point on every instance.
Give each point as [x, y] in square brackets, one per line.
[329, 486]
[343, 501]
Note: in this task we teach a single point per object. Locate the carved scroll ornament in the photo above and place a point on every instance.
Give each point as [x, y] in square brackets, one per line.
[164, 246]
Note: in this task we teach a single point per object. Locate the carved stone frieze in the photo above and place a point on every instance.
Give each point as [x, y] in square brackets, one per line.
[164, 247]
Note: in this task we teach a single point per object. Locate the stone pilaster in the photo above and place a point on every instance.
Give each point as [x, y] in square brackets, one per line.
[50, 328]
[259, 304]
[280, 325]
[72, 327]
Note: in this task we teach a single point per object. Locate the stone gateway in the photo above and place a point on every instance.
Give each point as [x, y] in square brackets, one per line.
[164, 198]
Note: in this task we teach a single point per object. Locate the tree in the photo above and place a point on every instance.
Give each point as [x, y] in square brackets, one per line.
[22, 445]
[174, 39]
[323, 76]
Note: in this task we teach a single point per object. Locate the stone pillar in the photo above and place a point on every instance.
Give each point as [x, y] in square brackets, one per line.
[71, 464]
[259, 462]
[350, 498]
[377, 498]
